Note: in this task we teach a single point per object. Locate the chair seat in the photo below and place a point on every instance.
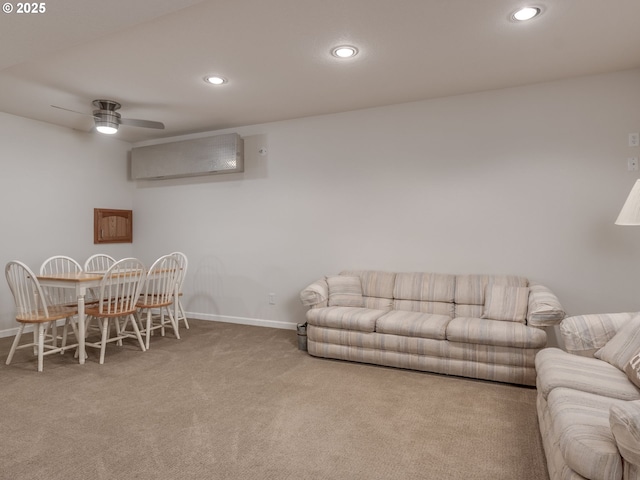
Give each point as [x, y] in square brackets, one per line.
[94, 310]
[56, 312]
[153, 301]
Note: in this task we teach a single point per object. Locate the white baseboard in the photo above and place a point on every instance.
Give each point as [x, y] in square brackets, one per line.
[8, 332]
[257, 322]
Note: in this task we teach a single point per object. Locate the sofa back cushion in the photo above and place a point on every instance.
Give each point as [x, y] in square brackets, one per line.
[425, 292]
[345, 291]
[623, 346]
[506, 303]
[470, 291]
[632, 369]
[377, 287]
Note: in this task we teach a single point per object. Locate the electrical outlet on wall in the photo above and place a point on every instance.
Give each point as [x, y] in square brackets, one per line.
[272, 299]
[634, 139]
[632, 163]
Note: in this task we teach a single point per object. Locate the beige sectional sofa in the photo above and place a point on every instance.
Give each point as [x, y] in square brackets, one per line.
[480, 326]
[589, 399]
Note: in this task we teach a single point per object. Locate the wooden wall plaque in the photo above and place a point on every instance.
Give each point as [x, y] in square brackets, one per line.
[112, 226]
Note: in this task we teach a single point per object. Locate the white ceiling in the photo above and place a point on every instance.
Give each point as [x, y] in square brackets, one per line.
[152, 55]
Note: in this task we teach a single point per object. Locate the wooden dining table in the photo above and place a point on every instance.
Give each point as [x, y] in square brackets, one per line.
[82, 282]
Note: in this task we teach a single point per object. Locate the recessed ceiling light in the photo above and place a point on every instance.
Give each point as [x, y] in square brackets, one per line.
[215, 79]
[344, 51]
[526, 13]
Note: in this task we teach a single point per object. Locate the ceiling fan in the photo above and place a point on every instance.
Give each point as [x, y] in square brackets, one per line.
[107, 119]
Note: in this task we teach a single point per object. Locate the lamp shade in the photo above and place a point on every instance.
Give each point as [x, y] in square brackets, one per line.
[630, 213]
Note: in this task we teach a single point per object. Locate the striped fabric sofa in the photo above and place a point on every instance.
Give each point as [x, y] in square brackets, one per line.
[589, 399]
[481, 326]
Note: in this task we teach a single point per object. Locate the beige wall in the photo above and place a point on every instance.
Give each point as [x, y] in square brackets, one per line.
[51, 179]
[525, 181]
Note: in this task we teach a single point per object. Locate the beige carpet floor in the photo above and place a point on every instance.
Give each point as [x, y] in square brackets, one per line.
[239, 402]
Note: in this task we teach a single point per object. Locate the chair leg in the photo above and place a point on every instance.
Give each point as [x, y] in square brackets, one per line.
[41, 331]
[105, 334]
[64, 334]
[16, 341]
[182, 315]
[137, 330]
[174, 323]
[54, 333]
[148, 328]
[74, 327]
[118, 330]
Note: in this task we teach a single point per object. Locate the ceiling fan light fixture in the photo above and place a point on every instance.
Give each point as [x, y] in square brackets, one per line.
[215, 79]
[526, 13]
[107, 121]
[344, 51]
[107, 128]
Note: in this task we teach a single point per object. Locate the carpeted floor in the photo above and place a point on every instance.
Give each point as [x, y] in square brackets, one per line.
[240, 402]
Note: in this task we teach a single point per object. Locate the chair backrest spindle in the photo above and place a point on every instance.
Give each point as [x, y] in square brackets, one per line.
[29, 296]
[100, 262]
[56, 265]
[120, 287]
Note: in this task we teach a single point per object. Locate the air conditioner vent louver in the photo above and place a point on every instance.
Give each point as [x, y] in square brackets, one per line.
[188, 158]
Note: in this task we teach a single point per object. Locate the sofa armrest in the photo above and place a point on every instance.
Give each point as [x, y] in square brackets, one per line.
[544, 307]
[585, 334]
[315, 295]
[624, 420]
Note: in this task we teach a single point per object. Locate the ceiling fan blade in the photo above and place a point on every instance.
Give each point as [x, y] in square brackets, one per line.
[73, 111]
[141, 123]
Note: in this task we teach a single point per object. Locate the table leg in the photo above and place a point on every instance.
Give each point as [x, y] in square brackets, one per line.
[81, 321]
[176, 298]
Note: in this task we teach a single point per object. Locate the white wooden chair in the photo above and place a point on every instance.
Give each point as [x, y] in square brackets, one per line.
[118, 293]
[59, 295]
[100, 262]
[60, 264]
[184, 263]
[33, 309]
[159, 295]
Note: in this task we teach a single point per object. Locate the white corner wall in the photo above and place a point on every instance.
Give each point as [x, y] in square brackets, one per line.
[52, 178]
[524, 181]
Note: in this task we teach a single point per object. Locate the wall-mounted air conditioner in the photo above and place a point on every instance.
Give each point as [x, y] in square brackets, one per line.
[188, 158]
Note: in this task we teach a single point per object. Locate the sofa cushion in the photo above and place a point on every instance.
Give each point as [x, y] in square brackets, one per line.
[625, 425]
[427, 287]
[438, 308]
[557, 368]
[470, 289]
[413, 324]
[377, 288]
[508, 303]
[374, 283]
[624, 344]
[345, 291]
[346, 318]
[581, 423]
[495, 332]
[424, 292]
[632, 369]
